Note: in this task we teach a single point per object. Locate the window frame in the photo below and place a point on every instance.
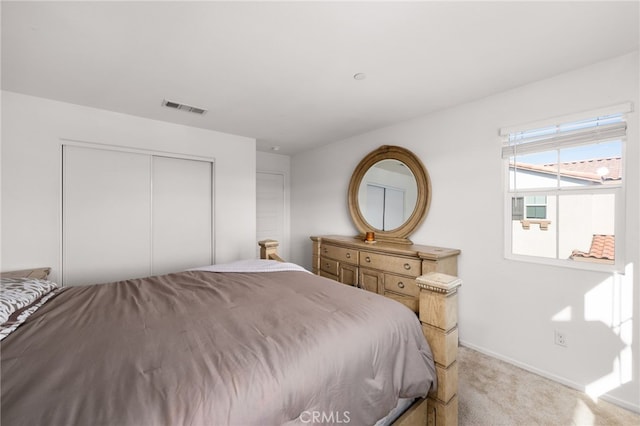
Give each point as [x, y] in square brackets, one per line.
[618, 190]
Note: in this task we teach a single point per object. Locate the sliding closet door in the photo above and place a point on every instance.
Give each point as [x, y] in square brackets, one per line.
[375, 206]
[181, 214]
[393, 208]
[106, 205]
[132, 214]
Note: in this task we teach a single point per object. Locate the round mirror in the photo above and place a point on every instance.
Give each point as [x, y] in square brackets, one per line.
[389, 194]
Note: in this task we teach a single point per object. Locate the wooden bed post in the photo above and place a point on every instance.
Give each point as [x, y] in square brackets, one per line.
[269, 250]
[439, 317]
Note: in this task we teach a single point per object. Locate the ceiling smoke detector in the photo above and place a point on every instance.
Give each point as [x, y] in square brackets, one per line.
[184, 107]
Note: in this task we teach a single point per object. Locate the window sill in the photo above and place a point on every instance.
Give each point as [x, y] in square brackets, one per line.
[570, 264]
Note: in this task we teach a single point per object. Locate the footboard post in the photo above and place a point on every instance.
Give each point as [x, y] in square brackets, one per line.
[269, 249]
[439, 317]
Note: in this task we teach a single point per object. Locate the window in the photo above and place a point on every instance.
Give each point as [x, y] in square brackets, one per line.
[563, 191]
[536, 207]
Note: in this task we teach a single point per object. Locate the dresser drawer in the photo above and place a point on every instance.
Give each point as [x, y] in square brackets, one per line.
[342, 254]
[402, 285]
[397, 265]
[329, 265]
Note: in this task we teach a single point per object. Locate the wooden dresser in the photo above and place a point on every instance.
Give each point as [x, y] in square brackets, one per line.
[385, 268]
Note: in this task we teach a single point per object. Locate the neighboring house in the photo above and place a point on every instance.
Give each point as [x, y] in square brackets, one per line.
[587, 221]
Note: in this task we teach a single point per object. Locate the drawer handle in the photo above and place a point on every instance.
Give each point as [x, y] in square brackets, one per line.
[368, 259]
[327, 264]
[407, 266]
[401, 284]
[326, 250]
[348, 255]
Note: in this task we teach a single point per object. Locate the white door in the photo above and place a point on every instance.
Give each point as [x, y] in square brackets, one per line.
[106, 205]
[270, 212]
[181, 214]
[393, 208]
[133, 214]
[375, 206]
[384, 207]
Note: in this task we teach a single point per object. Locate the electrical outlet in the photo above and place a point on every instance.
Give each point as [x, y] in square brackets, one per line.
[560, 338]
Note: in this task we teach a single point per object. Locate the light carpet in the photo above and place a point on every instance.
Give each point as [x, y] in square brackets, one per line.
[493, 392]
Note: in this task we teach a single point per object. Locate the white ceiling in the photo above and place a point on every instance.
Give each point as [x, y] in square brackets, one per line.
[282, 72]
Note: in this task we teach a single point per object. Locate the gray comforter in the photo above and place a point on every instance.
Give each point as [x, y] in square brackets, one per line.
[204, 348]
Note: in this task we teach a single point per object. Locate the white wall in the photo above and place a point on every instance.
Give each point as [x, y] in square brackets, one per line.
[507, 308]
[32, 129]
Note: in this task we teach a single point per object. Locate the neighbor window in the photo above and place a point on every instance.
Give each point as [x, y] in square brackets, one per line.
[531, 207]
[563, 191]
[536, 207]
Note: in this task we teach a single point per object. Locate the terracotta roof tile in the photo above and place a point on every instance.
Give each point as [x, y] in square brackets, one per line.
[607, 169]
[602, 248]
[603, 170]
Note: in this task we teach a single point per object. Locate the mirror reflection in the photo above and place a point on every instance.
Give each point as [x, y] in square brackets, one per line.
[387, 194]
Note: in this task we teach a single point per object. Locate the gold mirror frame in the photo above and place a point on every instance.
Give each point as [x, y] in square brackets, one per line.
[400, 234]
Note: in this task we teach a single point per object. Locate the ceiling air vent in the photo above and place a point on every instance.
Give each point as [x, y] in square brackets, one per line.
[184, 107]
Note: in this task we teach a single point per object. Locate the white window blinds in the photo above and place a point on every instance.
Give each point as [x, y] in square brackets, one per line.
[582, 132]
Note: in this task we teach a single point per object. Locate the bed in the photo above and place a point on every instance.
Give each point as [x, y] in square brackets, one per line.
[262, 342]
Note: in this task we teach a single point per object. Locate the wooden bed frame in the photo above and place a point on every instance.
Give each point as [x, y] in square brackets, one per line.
[438, 313]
